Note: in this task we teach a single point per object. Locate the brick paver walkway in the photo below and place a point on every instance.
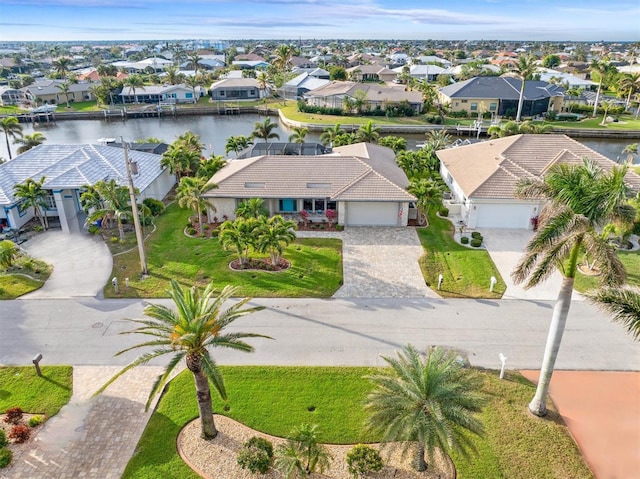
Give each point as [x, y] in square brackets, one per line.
[91, 437]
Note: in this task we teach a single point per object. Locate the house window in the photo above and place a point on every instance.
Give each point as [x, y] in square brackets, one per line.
[50, 202]
[474, 107]
[315, 205]
[287, 205]
[221, 92]
[457, 103]
[252, 93]
[186, 95]
[22, 208]
[493, 106]
[464, 101]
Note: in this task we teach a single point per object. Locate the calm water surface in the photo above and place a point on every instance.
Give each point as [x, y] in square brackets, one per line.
[213, 130]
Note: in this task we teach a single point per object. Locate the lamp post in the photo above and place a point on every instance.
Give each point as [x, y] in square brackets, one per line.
[134, 208]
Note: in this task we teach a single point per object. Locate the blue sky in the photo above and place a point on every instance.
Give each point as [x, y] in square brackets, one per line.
[582, 20]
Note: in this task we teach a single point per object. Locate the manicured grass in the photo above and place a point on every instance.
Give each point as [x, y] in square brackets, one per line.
[292, 113]
[516, 444]
[626, 122]
[274, 399]
[21, 386]
[631, 262]
[316, 265]
[26, 275]
[466, 271]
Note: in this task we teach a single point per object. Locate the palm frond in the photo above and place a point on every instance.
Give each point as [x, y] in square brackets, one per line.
[623, 303]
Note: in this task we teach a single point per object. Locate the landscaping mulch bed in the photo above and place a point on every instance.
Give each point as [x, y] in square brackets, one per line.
[261, 264]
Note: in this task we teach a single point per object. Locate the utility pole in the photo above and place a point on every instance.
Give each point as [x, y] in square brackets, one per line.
[134, 208]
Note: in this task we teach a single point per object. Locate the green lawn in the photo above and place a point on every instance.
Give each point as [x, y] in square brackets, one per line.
[292, 113]
[20, 386]
[26, 275]
[275, 399]
[631, 262]
[627, 122]
[466, 271]
[316, 265]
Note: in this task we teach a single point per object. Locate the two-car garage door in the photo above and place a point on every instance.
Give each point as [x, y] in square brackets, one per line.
[373, 213]
[494, 215]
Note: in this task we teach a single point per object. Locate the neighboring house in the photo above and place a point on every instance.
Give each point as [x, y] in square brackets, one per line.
[303, 83]
[10, 96]
[500, 96]
[281, 148]
[161, 94]
[547, 74]
[48, 91]
[313, 72]
[424, 72]
[333, 94]
[236, 89]
[371, 73]
[434, 60]
[67, 169]
[362, 183]
[156, 63]
[482, 176]
[251, 64]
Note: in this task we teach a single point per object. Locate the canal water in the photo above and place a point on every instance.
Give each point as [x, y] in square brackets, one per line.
[212, 129]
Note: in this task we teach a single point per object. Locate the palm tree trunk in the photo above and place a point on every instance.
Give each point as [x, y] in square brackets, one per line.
[419, 464]
[538, 405]
[595, 105]
[6, 137]
[121, 229]
[520, 101]
[200, 220]
[205, 409]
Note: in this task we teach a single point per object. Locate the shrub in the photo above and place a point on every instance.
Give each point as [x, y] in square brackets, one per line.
[362, 459]
[636, 228]
[94, 229]
[36, 421]
[464, 240]
[339, 227]
[13, 415]
[475, 242]
[3, 439]
[191, 230]
[114, 239]
[444, 212]
[20, 433]
[476, 235]
[256, 455]
[155, 206]
[5, 457]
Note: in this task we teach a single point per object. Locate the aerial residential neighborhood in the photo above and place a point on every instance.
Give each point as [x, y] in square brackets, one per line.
[319, 239]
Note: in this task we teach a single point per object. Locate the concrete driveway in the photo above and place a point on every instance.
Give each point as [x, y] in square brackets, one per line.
[506, 247]
[380, 262]
[81, 264]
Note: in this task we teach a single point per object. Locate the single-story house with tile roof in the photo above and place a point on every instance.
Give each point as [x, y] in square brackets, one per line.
[236, 89]
[361, 182]
[482, 176]
[161, 94]
[48, 91]
[332, 94]
[371, 73]
[303, 83]
[500, 95]
[67, 169]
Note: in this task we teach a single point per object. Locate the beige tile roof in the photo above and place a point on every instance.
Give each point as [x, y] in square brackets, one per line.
[331, 176]
[492, 168]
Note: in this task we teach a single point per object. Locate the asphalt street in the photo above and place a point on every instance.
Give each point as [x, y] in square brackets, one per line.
[85, 331]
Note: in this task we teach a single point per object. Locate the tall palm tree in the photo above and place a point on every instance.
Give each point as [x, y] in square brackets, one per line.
[191, 141]
[194, 82]
[329, 134]
[524, 69]
[190, 194]
[602, 68]
[189, 332]
[173, 77]
[107, 201]
[581, 200]
[629, 84]
[33, 195]
[274, 234]
[237, 144]
[283, 57]
[298, 136]
[134, 81]
[428, 403]
[263, 84]
[428, 192]
[264, 130]
[29, 141]
[251, 208]
[11, 127]
[622, 302]
[64, 88]
[368, 133]
[195, 60]
[211, 166]
[62, 65]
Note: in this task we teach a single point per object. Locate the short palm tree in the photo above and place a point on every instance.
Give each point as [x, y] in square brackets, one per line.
[65, 88]
[302, 454]
[330, 133]
[525, 69]
[134, 81]
[211, 166]
[239, 235]
[631, 150]
[274, 234]
[107, 201]
[29, 141]
[298, 136]
[581, 200]
[251, 208]
[368, 133]
[194, 82]
[428, 193]
[33, 194]
[189, 332]
[190, 194]
[629, 84]
[180, 159]
[622, 302]
[237, 144]
[265, 131]
[429, 403]
[11, 128]
[8, 253]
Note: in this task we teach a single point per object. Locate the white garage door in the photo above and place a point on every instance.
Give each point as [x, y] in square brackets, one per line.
[375, 213]
[503, 216]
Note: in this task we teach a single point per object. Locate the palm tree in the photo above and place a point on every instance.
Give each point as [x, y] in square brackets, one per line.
[64, 88]
[274, 234]
[606, 106]
[507, 129]
[107, 201]
[428, 193]
[190, 194]
[368, 133]
[189, 332]
[581, 200]
[11, 128]
[9, 251]
[525, 69]
[238, 235]
[251, 208]
[180, 160]
[631, 151]
[211, 166]
[283, 57]
[428, 403]
[329, 134]
[622, 302]
[629, 84]
[438, 139]
[602, 68]
[195, 59]
[237, 144]
[194, 82]
[32, 194]
[302, 453]
[62, 66]
[263, 84]
[191, 141]
[29, 141]
[298, 136]
[173, 77]
[265, 130]
[134, 81]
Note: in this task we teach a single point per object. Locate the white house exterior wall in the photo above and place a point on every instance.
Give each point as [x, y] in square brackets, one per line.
[501, 214]
[160, 186]
[223, 207]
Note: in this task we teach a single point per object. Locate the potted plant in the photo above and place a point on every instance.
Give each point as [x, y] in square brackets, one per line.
[304, 215]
